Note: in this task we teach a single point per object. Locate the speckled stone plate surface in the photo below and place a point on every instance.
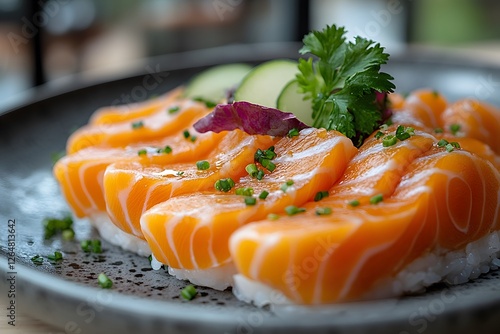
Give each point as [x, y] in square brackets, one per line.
[66, 294]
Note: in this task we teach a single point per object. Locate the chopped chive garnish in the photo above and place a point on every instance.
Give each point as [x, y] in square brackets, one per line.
[202, 165]
[323, 211]
[93, 246]
[293, 210]
[57, 256]
[379, 135]
[264, 194]
[354, 203]
[389, 140]
[383, 127]
[179, 173]
[293, 133]
[320, 195]
[250, 200]
[251, 170]
[224, 184]
[137, 125]
[68, 234]
[174, 109]
[403, 133]
[455, 144]
[37, 259]
[142, 152]
[260, 174]
[268, 154]
[438, 130]
[376, 199]
[167, 150]
[273, 216]
[442, 143]
[52, 226]
[186, 134]
[150, 258]
[286, 185]
[449, 148]
[208, 103]
[247, 191]
[454, 128]
[268, 164]
[193, 139]
[189, 292]
[104, 281]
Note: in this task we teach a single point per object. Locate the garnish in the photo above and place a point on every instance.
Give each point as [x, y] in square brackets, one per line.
[293, 210]
[250, 200]
[343, 82]
[208, 103]
[454, 128]
[323, 211]
[52, 226]
[37, 259]
[68, 234]
[167, 150]
[293, 133]
[379, 135]
[173, 110]
[189, 292]
[286, 185]
[57, 256]
[354, 203]
[273, 216]
[137, 125]
[91, 246]
[224, 184]
[377, 199]
[104, 281]
[247, 191]
[264, 194]
[389, 140]
[403, 133]
[252, 118]
[320, 195]
[202, 165]
[142, 152]
[264, 157]
[186, 134]
[253, 171]
[438, 130]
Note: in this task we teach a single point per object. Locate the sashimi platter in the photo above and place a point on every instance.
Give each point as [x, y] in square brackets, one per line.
[308, 194]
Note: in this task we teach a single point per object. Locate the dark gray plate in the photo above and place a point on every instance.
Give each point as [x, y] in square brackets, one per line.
[143, 301]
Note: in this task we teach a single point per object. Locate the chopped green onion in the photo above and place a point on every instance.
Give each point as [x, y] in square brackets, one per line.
[320, 195]
[247, 191]
[186, 134]
[250, 200]
[189, 292]
[180, 173]
[323, 211]
[268, 154]
[251, 170]
[293, 133]
[449, 148]
[193, 139]
[260, 175]
[142, 152]
[137, 125]
[293, 210]
[56, 257]
[455, 144]
[96, 246]
[442, 143]
[354, 203]
[202, 165]
[438, 130]
[267, 164]
[383, 127]
[389, 140]
[167, 150]
[403, 133]
[454, 128]
[104, 281]
[93, 246]
[376, 199]
[52, 226]
[208, 103]
[37, 259]
[174, 109]
[264, 194]
[379, 135]
[68, 234]
[286, 185]
[273, 216]
[224, 184]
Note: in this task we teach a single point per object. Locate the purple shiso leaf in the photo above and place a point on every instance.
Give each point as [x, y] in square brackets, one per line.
[252, 118]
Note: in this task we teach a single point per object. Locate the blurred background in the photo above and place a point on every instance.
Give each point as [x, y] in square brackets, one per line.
[44, 40]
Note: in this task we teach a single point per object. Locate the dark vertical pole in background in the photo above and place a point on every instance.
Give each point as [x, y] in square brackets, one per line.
[409, 19]
[303, 19]
[38, 70]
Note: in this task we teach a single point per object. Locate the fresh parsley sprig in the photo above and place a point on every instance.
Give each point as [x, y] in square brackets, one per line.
[343, 81]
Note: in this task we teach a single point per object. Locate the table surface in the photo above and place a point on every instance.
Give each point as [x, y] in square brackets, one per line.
[26, 324]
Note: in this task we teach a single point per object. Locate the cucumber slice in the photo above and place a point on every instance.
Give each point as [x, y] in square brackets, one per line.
[291, 100]
[213, 83]
[264, 83]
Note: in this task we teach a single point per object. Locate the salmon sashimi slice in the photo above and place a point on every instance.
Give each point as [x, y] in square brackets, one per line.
[443, 201]
[130, 188]
[192, 231]
[126, 112]
[474, 119]
[422, 108]
[153, 127]
[80, 175]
